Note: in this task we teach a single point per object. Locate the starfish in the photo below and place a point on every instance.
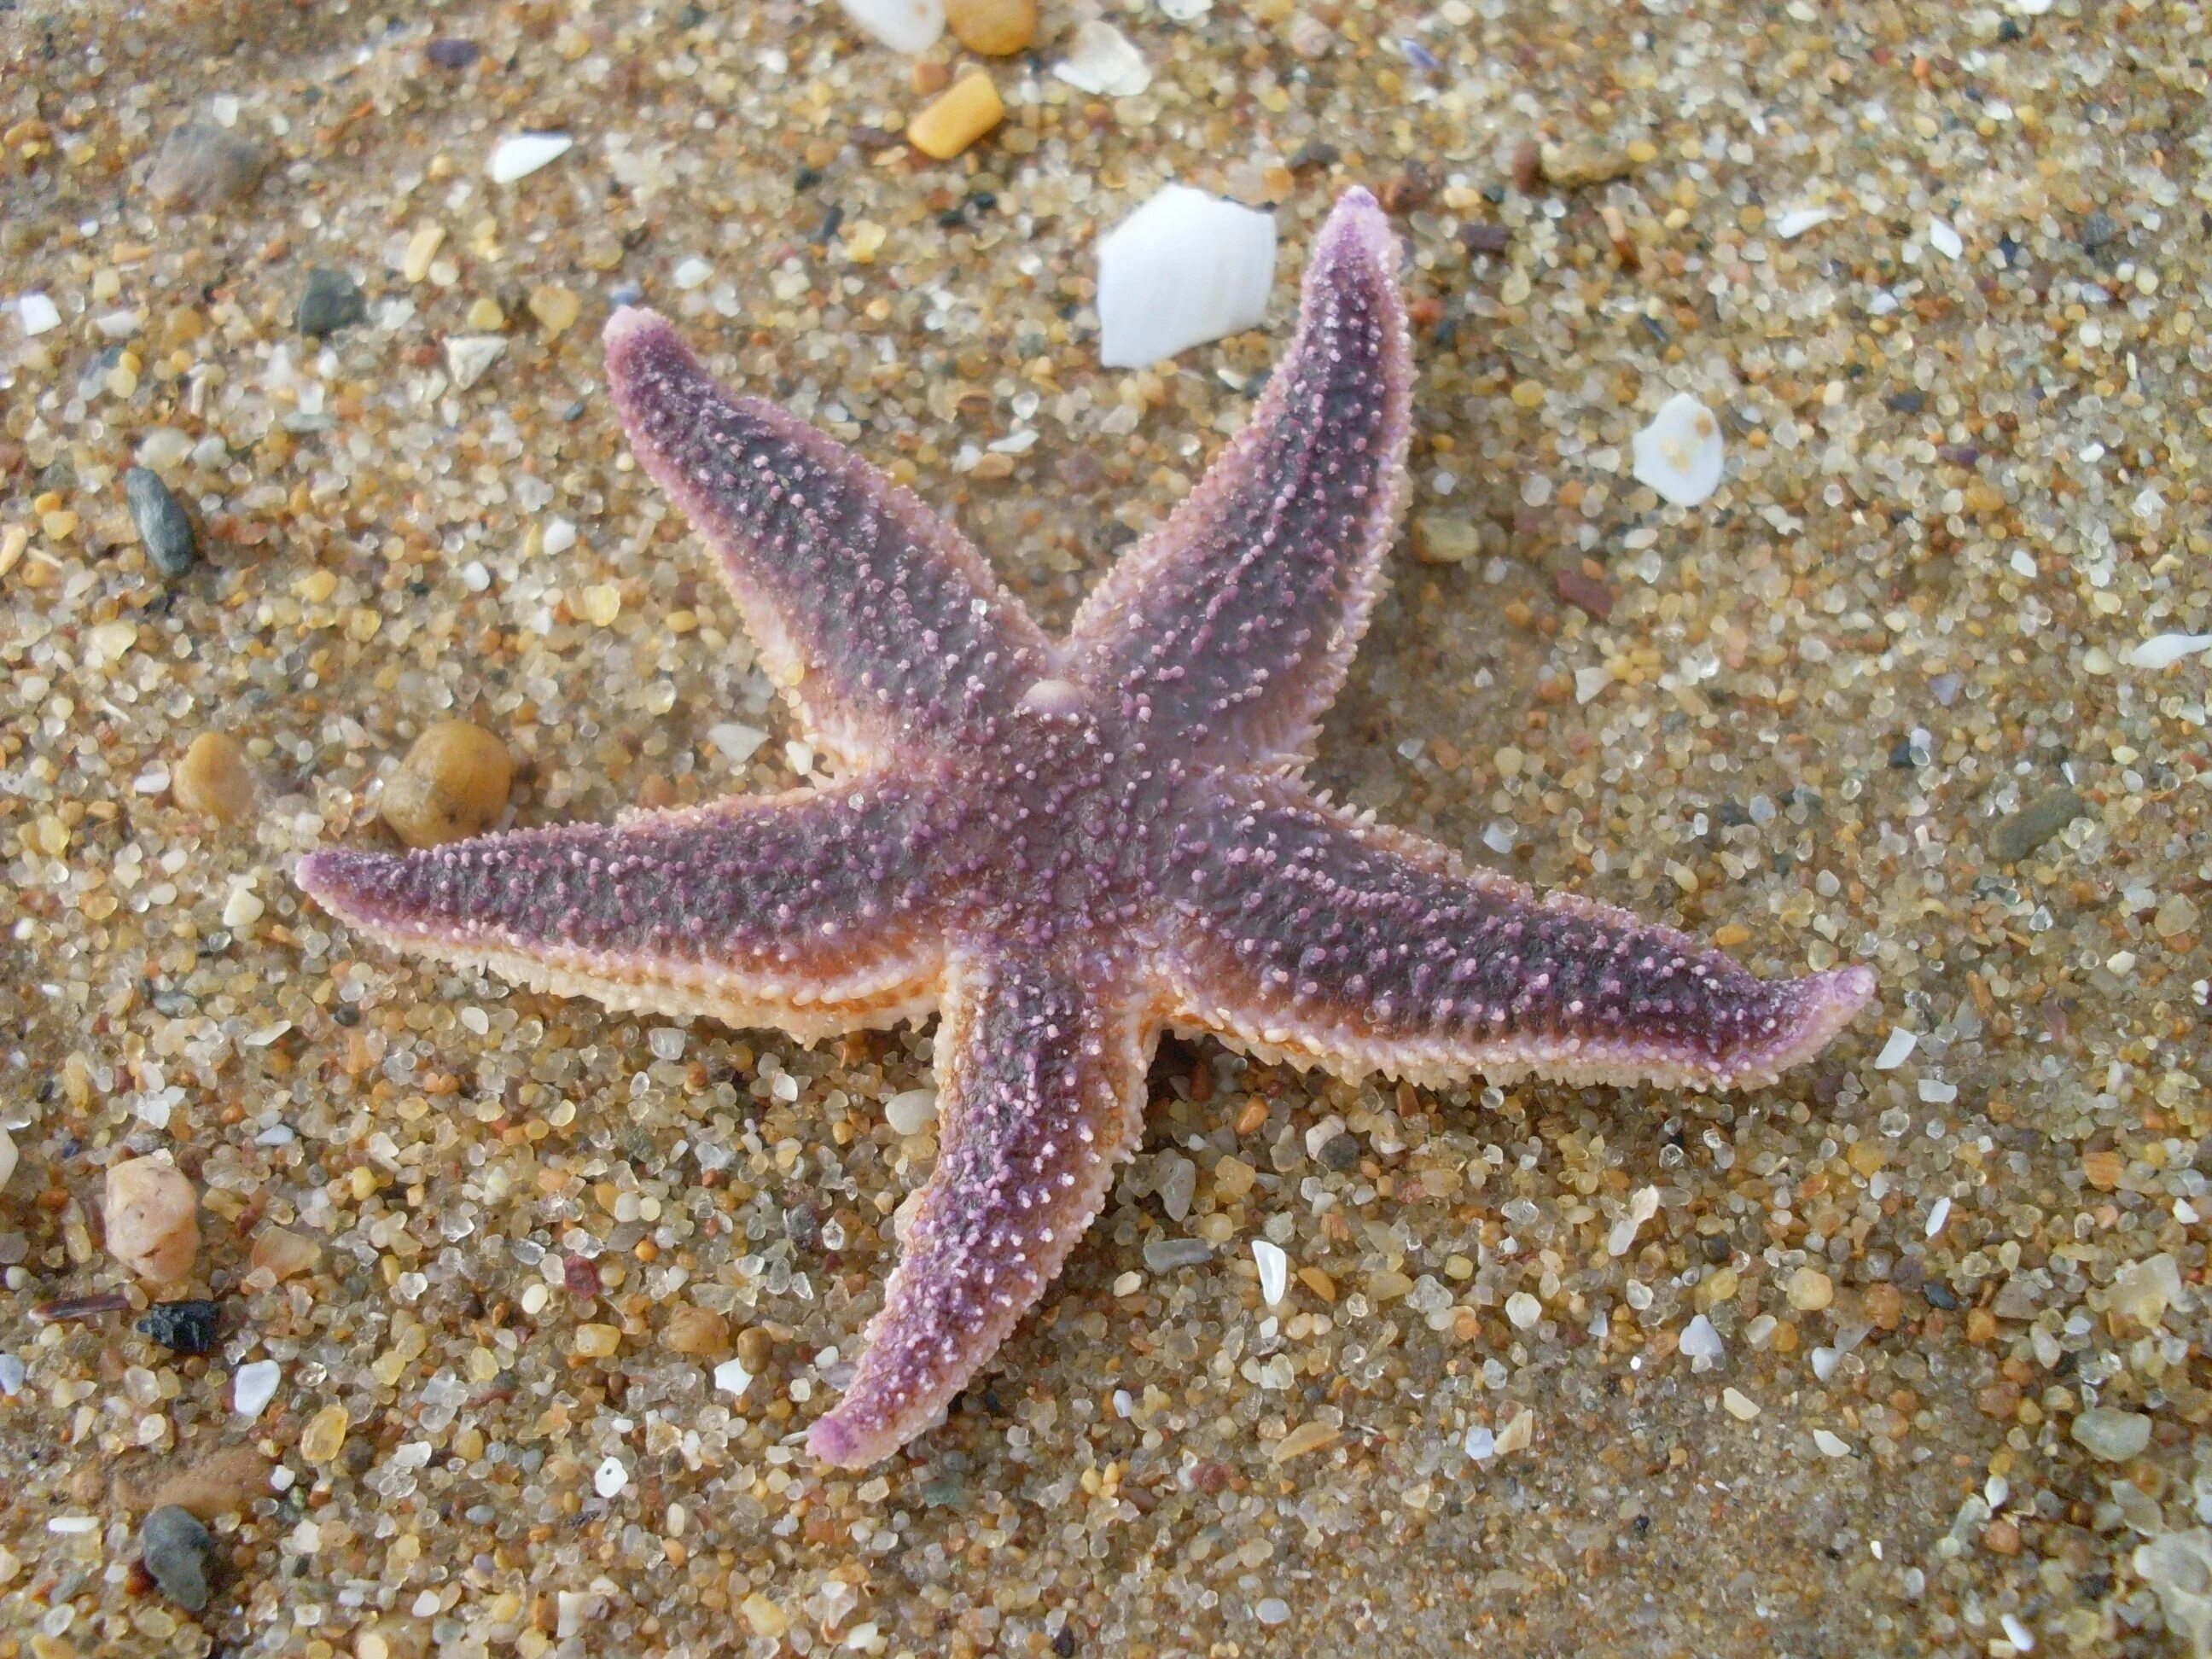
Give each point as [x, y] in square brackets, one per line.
[1063, 846]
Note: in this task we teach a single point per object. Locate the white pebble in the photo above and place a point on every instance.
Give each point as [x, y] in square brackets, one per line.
[38, 313]
[11, 1375]
[2021, 1637]
[1523, 1310]
[243, 908]
[610, 1477]
[1831, 1445]
[6, 1156]
[1702, 1343]
[1186, 11]
[1589, 682]
[1481, 1443]
[689, 273]
[1792, 225]
[1680, 453]
[736, 741]
[1897, 1050]
[2163, 650]
[254, 1386]
[732, 1378]
[468, 355]
[1184, 268]
[1937, 1215]
[1274, 1271]
[1101, 61]
[518, 157]
[1273, 1610]
[560, 536]
[1944, 239]
[912, 27]
[1935, 1091]
[1739, 1404]
[911, 1110]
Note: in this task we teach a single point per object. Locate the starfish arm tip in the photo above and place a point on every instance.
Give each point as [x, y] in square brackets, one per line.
[626, 325]
[838, 1443]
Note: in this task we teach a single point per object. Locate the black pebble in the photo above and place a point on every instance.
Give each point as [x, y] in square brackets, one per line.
[1939, 1296]
[452, 54]
[163, 524]
[2098, 229]
[331, 300]
[1063, 1641]
[1908, 402]
[183, 1327]
[178, 1551]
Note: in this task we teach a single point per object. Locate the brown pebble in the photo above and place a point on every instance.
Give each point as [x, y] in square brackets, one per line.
[1527, 167]
[755, 1349]
[1584, 593]
[215, 779]
[2001, 1538]
[1407, 191]
[699, 1330]
[997, 29]
[283, 1252]
[153, 1220]
[1486, 238]
[454, 783]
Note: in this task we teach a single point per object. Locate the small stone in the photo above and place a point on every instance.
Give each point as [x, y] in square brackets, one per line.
[38, 314]
[1274, 1271]
[2115, 1436]
[178, 1552]
[1810, 1289]
[454, 783]
[911, 1110]
[1522, 1311]
[698, 1332]
[163, 525]
[224, 1480]
[1896, 1048]
[554, 308]
[732, 1377]
[205, 165]
[1184, 269]
[595, 1341]
[1101, 61]
[609, 1478]
[957, 117]
[192, 1327]
[2179, 1567]
[1796, 222]
[520, 157]
[1830, 1444]
[997, 29]
[468, 355]
[1572, 167]
[331, 301]
[6, 1156]
[2012, 839]
[1445, 538]
[1680, 454]
[253, 1387]
[1585, 593]
[765, 1617]
[213, 778]
[1944, 239]
[1306, 1437]
[1701, 1344]
[909, 26]
[2175, 918]
[153, 1220]
[325, 1433]
[1165, 1255]
[281, 1253]
[1233, 1179]
[451, 54]
[1738, 1405]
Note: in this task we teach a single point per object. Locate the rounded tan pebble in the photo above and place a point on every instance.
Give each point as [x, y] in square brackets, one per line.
[283, 1252]
[696, 1331]
[452, 783]
[755, 1349]
[325, 1434]
[215, 779]
[997, 29]
[1445, 538]
[1810, 1289]
[153, 1220]
[963, 112]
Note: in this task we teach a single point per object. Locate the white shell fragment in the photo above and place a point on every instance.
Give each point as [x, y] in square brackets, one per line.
[912, 27]
[2163, 650]
[520, 157]
[911, 1110]
[1944, 239]
[1679, 454]
[1795, 223]
[1101, 61]
[467, 356]
[1901, 1042]
[1184, 268]
[1274, 1271]
[1702, 1344]
[253, 1387]
[38, 313]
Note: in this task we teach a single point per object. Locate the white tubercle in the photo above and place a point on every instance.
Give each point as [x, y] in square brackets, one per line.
[1053, 698]
[1680, 454]
[1184, 268]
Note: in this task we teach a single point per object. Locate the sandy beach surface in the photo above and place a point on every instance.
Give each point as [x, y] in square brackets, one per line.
[522, 1307]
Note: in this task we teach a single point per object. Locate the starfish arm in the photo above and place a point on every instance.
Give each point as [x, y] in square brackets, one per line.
[1296, 930]
[1232, 625]
[876, 617]
[812, 910]
[1041, 1089]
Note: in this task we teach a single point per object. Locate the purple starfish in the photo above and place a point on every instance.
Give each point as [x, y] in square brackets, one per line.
[1064, 846]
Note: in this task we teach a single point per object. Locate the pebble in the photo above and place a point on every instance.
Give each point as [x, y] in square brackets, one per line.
[452, 54]
[2115, 1436]
[163, 525]
[1680, 453]
[325, 1434]
[205, 165]
[1701, 1344]
[1739, 1404]
[189, 1327]
[957, 117]
[2163, 650]
[554, 308]
[213, 778]
[1572, 167]
[1810, 1289]
[911, 1110]
[331, 301]
[520, 157]
[1274, 1271]
[1792, 225]
[253, 1387]
[997, 29]
[179, 1554]
[1101, 61]
[152, 1219]
[468, 355]
[731, 1378]
[1445, 538]
[695, 1331]
[1184, 269]
[1897, 1048]
[38, 314]
[6, 1156]
[1165, 1255]
[281, 1253]
[911, 27]
[454, 783]
[1522, 1311]
[2014, 837]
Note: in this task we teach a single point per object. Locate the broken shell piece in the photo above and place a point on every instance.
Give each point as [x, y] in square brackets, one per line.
[519, 157]
[912, 27]
[1184, 268]
[1679, 454]
[1101, 61]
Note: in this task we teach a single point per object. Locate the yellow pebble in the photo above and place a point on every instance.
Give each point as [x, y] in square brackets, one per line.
[1529, 394]
[1810, 1289]
[957, 117]
[325, 1434]
[485, 317]
[997, 29]
[452, 783]
[764, 1616]
[596, 1341]
[601, 604]
[554, 308]
[213, 778]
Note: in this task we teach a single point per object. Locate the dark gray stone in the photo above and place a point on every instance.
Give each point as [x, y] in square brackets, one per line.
[331, 300]
[2012, 839]
[205, 165]
[179, 1553]
[163, 524]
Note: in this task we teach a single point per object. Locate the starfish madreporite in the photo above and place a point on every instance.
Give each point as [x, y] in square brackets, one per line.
[1062, 846]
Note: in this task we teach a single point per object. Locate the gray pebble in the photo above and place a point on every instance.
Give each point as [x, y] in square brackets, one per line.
[2012, 839]
[331, 300]
[203, 166]
[163, 524]
[1340, 1152]
[178, 1551]
[1164, 1255]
